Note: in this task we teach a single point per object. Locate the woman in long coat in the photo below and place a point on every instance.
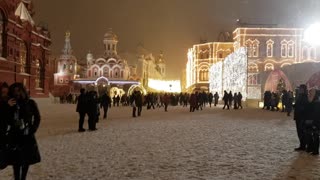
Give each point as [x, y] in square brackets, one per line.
[23, 123]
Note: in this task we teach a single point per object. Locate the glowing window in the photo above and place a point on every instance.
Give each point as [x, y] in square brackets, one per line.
[270, 44]
[291, 49]
[284, 49]
[269, 67]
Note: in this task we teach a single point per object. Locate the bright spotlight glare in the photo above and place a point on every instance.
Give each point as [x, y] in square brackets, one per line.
[312, 35]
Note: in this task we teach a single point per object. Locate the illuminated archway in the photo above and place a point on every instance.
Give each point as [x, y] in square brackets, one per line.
[136, 87]
[102, 80]
[115, 91]
[275, 78]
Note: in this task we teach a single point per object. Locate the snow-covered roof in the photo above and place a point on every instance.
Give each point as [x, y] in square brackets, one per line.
[23, 13]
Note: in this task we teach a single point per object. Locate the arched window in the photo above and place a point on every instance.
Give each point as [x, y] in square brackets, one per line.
[253, 79]
[253, 68]
[291, 49]
[204, 75]
[23, 57]
[269, 67]
[270, 44]
[255, 48]
[95, 72]
[249, 46]
[116, 72]
[106, 72]
[284, 48]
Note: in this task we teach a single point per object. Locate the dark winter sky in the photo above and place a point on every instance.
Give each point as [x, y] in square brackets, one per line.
[172, 26]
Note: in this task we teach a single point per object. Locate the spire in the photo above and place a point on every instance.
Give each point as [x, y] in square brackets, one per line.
[67, 50]
[23, 13]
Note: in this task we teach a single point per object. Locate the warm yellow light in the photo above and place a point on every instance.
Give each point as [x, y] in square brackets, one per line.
[312, 35]
[166, 86]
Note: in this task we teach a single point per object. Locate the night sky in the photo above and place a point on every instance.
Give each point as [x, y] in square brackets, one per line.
[171, 26]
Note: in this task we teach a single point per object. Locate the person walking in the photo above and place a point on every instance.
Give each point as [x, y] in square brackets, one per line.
[105, 104]
[193, 102]
[235, 101]
[166, 100]
[210, 98]
[226, 100]
[239, 98]
[23, 120]
[82, 109]
[300, 115]
[92, 110]
[139, 102]
[216, 99]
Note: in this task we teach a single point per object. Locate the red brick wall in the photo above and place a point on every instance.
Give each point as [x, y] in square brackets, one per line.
[37, 41]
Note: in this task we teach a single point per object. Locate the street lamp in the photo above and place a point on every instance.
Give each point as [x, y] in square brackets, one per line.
[312, 35]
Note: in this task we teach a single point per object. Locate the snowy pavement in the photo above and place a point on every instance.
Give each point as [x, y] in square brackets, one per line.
[177, 145]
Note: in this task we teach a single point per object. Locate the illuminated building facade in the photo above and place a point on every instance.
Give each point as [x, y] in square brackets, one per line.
[149, 67]
[108, 73]
[269, 51]
[200, 58]
[24, 48]
[273, 56]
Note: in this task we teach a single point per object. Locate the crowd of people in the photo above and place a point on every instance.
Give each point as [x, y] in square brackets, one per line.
[20, 119]
[271, 101]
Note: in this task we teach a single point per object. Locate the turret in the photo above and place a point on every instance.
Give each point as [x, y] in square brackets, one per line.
[110, 43]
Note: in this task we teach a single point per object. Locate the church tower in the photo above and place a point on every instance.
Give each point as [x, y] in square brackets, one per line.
[67, 64]
[110, 44]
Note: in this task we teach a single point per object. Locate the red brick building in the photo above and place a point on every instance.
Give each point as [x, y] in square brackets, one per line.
[24, 48]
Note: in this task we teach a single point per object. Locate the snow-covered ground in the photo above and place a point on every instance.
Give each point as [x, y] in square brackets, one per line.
[175, 145]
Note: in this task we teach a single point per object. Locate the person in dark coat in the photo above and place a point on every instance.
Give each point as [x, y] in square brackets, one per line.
[316, 125]
[139, 102]
[23, 122]
[239, 98]
[235, 101]
[210, 99]
[92, 104]
[300, 115]
[230, 98]
[193, 102]
[82, 109]
[166, 100]
[216, 99]
[226, 100]
[311, 124]
[105, 103]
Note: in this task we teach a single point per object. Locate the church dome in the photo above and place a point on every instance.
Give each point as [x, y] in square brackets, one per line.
[110, 35]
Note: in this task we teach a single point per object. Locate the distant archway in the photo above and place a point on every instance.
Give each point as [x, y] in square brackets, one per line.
[277, 81]
[137, 88]
[314, 81]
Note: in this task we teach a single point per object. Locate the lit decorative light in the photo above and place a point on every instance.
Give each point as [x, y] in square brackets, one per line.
[312, 34]
[215, 79]
[231, 75]
[166, 86]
